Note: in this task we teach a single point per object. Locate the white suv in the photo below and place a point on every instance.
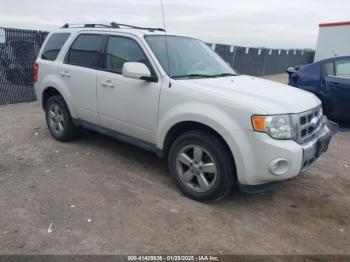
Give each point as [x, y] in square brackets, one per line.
[176, 97]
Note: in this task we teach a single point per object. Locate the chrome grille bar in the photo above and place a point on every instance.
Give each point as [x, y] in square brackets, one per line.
[308, 124]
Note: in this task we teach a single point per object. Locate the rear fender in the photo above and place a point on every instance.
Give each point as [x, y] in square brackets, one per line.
[56, 82]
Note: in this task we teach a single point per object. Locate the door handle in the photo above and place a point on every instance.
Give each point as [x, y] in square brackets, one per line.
[335, 85]
[107, 84]
[65, 74]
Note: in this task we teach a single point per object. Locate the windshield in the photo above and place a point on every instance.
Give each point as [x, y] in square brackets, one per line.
[188, 57]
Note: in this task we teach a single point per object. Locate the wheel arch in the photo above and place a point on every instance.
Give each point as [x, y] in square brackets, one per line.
[47, 93]
[50, 91]
[185, 126]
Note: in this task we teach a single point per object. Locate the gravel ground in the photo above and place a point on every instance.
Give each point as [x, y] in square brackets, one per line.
[101, 196]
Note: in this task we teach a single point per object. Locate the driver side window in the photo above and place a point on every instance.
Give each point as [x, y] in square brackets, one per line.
[121, 50]
[328, 69]
[342, 68]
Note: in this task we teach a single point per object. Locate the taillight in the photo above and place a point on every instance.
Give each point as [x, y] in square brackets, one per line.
[36, 72]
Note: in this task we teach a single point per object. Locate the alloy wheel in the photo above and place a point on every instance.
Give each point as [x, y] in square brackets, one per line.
[56, 119]
[196, 168]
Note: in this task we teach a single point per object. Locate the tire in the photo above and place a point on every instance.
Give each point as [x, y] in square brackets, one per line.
[59, 120]
[211, 155]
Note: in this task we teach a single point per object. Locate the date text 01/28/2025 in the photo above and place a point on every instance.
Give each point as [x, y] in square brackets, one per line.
[173, 258]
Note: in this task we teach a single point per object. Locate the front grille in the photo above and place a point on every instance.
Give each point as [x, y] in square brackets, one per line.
[309, 123]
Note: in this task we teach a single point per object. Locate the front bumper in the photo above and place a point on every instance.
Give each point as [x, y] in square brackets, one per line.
[256, 154]
[314, 150]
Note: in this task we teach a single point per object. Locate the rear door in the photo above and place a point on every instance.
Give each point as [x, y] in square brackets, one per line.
[337, 82]
[79, 73]
[129, 106]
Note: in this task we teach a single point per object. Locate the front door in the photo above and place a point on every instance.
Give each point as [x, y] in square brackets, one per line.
[127, 105]
[338, 87]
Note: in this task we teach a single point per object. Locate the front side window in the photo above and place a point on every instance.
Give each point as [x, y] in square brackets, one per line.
[329, 69]
[85, 50]
[54, 45]
[121, 50]
[184, 58]
[342, 68]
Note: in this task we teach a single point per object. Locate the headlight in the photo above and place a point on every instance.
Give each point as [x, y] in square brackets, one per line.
[277, 126]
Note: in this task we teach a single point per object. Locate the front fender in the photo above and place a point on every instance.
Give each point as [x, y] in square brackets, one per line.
[223, 123]
[202, 113]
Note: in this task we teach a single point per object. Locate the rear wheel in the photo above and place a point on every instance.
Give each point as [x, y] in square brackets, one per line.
[201, 166]
[59, 120]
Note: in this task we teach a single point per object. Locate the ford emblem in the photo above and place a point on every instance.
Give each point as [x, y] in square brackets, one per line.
[315, 121]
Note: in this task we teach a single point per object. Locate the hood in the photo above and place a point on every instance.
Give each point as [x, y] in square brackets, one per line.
[269, 96]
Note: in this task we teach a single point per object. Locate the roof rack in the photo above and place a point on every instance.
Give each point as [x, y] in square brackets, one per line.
[83, 25]
[117, 25]
[112, 25]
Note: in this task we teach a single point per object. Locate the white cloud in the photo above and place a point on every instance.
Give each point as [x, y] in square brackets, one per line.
[269, 23]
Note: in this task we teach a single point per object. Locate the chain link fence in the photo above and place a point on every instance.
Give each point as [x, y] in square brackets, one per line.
[17, 57]
[18, 54]
[262, 61]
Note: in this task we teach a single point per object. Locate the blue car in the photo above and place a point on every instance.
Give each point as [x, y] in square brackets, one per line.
[329, 80]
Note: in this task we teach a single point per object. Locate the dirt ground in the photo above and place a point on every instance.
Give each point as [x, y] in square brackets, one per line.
[101, 196]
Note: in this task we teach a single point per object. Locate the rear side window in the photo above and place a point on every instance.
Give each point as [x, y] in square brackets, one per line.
[54, 45]
[85, 50]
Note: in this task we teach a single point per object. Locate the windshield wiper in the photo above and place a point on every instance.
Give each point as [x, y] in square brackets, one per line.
[192, 75]
[223, 74]
[204, 76]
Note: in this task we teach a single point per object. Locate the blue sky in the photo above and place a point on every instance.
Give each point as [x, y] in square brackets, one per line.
[255, 23]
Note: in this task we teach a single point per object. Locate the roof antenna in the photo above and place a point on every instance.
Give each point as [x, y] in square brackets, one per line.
[166, 42]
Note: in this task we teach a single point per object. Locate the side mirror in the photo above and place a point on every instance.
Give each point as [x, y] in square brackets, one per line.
[137, 71]
[291, 70]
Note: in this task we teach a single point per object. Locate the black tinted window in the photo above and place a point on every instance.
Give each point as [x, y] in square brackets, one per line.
[54, 45]
[121, 50]
[85, 50]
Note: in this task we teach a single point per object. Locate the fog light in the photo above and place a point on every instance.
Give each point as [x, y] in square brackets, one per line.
[279, 166]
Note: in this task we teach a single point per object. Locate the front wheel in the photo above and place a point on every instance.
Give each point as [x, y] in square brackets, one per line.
[202, 167]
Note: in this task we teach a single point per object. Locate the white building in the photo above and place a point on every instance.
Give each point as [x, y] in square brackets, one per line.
[333, 40]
